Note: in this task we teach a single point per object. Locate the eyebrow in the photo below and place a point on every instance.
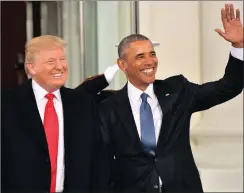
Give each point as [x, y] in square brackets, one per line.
[138, 55]
[51, 59]
[142, 54]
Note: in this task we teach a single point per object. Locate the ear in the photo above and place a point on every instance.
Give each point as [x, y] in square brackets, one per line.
[30, 69]
[122, 64]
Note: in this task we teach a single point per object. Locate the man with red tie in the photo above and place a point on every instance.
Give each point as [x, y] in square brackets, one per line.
[50, 134]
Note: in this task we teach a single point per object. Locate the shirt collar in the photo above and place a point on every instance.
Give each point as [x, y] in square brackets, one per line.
[40, 92]
[135, 93]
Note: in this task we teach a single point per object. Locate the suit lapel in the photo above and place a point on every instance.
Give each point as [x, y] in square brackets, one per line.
[68, 107]
[29, 112]
[71, 121]
[166, 98]
[124, 111]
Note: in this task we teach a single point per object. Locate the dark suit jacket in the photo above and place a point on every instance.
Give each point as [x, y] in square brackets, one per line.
[134, 169]
[94, 86]
[25, 158]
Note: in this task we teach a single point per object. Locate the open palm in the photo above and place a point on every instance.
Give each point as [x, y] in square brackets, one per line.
[233, 29]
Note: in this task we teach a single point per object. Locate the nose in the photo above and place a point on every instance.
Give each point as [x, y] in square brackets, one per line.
[149, 61]
[59, 65]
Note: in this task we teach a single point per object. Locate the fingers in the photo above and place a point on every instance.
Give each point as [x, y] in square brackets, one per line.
[223, 16]
[238, 14]
[227, 11]
[221, 33]
[232, 14]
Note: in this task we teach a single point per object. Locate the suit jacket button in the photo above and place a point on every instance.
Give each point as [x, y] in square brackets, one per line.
[155, 160]
[47, 160]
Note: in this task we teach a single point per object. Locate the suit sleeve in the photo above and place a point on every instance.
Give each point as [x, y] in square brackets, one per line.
[213, 93]
[93, 85]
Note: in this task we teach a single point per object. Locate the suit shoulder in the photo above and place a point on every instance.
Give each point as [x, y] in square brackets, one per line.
[8, 95]
[108, 102]
[79, 96]
[176, 79]
[173, 80]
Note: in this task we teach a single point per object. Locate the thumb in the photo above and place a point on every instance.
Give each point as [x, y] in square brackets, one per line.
[221, 33]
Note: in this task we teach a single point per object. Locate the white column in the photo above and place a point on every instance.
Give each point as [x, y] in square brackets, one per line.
[107, 33]
[89, 37]
[215, 52]
[71, 34]
[126, 25]
[219, 150]
[224, 120]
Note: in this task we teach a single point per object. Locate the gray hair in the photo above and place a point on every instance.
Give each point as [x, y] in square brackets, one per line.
[127, 40]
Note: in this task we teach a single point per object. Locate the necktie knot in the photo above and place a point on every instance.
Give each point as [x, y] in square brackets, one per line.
[144, 97]
[50, 96]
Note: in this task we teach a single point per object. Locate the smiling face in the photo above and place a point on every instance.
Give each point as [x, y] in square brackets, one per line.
[49, 68]
[139, 63]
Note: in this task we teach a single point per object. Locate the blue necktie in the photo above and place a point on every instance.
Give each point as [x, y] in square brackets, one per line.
[148, 138]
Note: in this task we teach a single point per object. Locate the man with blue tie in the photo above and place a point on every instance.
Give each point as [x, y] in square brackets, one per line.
[145, 126]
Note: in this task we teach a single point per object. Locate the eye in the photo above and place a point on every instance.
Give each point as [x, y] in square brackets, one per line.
[50, 62]
[140, 57]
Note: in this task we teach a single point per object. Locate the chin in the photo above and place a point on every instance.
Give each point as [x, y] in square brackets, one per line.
[58, 83]
[150, 80]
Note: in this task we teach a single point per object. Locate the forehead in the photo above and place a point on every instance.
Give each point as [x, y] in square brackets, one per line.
[143, 46]
[51, 53]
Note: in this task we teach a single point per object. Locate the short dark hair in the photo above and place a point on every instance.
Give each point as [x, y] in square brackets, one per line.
[127, 40]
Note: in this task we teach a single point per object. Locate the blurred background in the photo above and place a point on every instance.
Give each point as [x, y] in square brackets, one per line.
[184, 39]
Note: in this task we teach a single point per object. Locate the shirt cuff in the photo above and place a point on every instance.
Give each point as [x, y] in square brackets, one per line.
[110, 72]
[237, 53]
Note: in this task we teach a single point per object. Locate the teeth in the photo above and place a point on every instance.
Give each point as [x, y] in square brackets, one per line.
[148, 70]
[57, 75]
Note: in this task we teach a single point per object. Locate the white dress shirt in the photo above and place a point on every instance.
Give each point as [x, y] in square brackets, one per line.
[134, 95]
[110, 72]
[41, 101]
[237, 53]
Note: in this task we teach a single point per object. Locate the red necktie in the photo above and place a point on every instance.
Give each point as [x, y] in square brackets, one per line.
[51, 130]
